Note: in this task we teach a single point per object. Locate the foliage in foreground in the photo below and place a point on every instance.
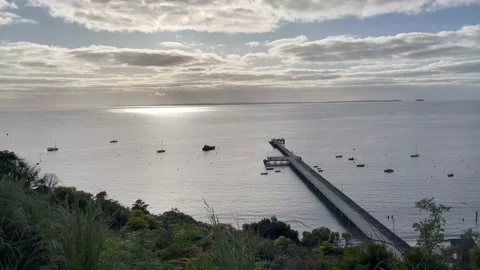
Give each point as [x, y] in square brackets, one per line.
[42, 225]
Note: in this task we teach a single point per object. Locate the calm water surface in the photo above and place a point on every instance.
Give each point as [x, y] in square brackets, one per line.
[382, 134]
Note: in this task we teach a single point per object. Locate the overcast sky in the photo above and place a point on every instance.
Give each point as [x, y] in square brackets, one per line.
[71, 53]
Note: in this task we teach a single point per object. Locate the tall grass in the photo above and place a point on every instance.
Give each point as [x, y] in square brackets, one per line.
[35, 233]
[233, 249]
[21, 215]
[78, 236]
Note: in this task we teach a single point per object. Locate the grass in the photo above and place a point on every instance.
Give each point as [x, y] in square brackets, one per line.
[21, 246]
[78, 237]
[234, 249]
[33, 233]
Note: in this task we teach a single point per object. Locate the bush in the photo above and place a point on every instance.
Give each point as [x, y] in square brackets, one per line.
[282, 242]
[174, 217]
[17, 170]
[272, 229]
[318, 236]
[71, 197]
[113, 209]
[418, 258]
[138, 220]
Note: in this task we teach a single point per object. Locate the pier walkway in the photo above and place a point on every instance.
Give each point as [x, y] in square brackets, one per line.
[340, 203]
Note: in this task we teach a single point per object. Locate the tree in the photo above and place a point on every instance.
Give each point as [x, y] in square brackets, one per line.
[468, 240]
[69, 196]
[140, 205]
[474, 258]
[272, 228]
[377, 256]
[113, 209]
[347, 237]
[138, 220]
[417, 258]
[432, 228]
[18, 170]
[470, 234]
[318, 236]
[102, 195]
[334, 238]
[282, 242]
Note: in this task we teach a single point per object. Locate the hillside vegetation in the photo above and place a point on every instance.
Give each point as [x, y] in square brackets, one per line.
[45, 226]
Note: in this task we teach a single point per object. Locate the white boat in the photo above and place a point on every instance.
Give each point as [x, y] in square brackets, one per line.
[52, 149]
[161, 150]
[114, 140]
[416, 153]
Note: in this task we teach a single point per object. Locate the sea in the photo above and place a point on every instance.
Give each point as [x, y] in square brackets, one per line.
[379, 134]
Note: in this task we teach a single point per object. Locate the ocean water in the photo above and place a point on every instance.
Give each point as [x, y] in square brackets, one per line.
[381, 135]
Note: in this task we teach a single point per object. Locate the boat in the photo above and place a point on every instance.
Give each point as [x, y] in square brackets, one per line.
[52, 149]
[419, 99]
[351, 159]
[208, 147]
[161, 150]
[264, 173]
[388, 170]
[114, 140]
[416, 153]
[339, 156]
[360, 165]
[269, 169]
[450, 175]
[277, 171]
[320, 170]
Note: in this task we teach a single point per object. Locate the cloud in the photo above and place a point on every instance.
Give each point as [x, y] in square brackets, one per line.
[286, 41]
[250, 57]
[7, 17]
[225, 15]
[253, 44]
[144, 57]
[464, 43]
[449, 58]
[6, 5]
[312, 10]
[173, 45]
[159, 15]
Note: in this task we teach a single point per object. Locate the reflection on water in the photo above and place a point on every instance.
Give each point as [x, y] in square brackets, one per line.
[164, 111]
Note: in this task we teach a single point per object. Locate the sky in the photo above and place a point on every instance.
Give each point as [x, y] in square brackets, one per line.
[96, 53]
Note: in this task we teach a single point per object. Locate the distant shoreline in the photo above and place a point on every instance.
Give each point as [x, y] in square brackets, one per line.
[260, 103]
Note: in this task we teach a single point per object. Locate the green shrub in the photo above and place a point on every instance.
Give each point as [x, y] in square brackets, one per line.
[138, 220]
[272, 228]
[282, 242]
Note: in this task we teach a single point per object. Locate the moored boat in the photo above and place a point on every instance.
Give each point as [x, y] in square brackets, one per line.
[208, 147]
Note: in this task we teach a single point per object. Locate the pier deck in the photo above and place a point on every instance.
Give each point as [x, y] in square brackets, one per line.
[341, 203]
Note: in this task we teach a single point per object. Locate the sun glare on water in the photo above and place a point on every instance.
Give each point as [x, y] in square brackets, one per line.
[164, 111]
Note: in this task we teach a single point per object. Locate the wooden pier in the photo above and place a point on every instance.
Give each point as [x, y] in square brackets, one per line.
[341, 204]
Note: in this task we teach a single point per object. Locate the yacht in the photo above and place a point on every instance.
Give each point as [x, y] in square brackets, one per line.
[52, 149]
[161, 150]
